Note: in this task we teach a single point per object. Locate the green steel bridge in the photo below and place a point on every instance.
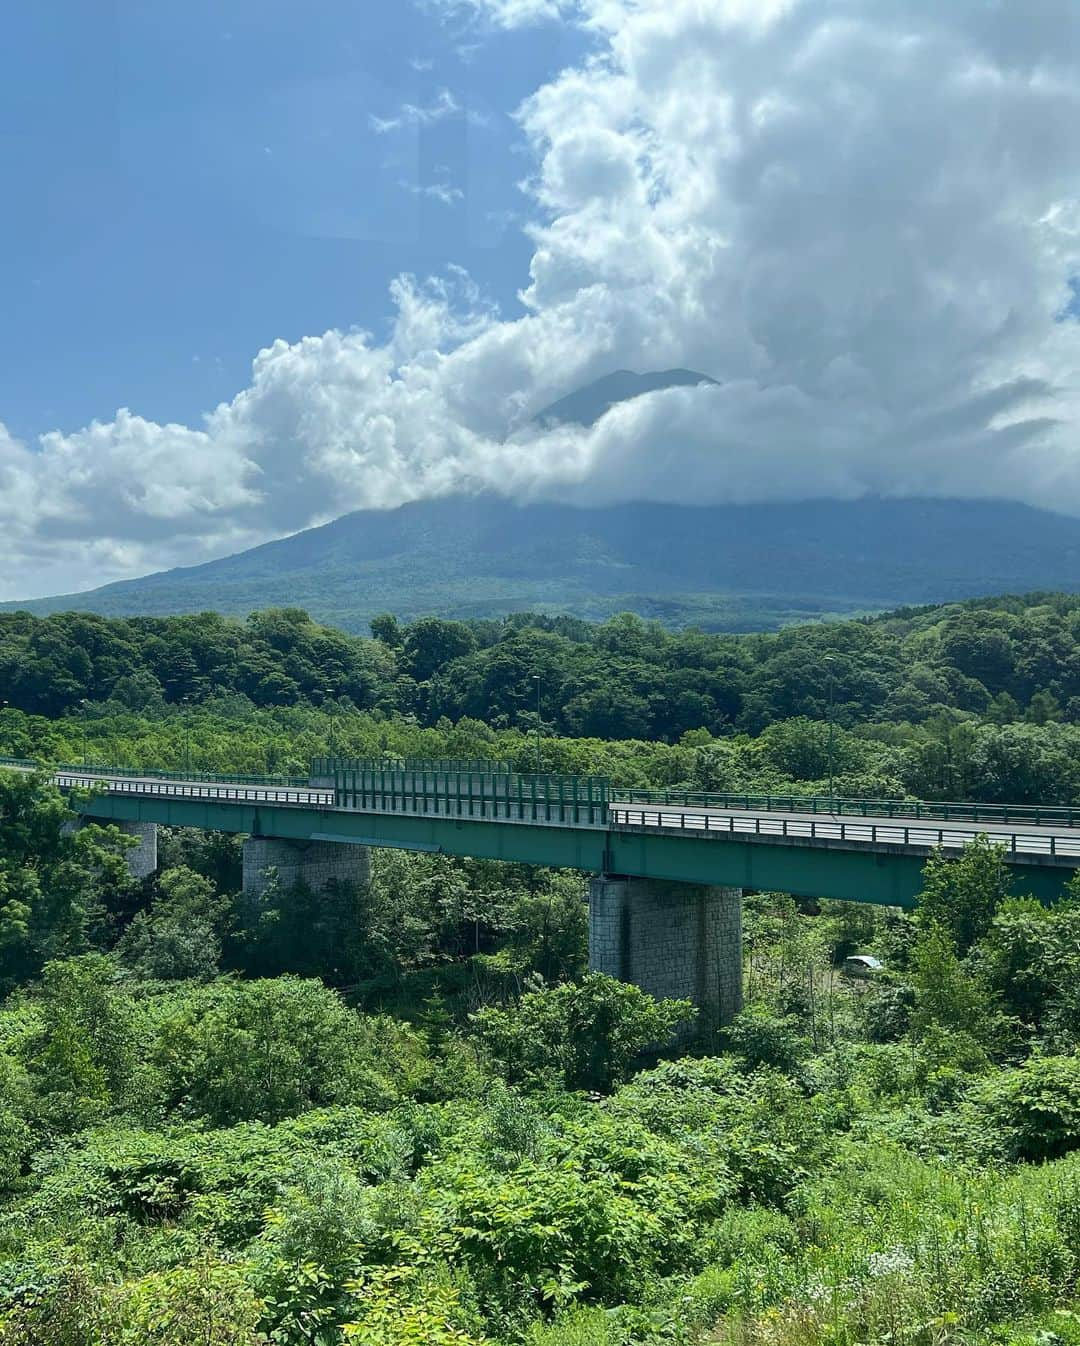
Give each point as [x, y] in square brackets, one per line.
[670, 864]
[857, 850]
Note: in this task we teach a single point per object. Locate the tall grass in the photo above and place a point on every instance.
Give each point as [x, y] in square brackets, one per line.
[892, 1249]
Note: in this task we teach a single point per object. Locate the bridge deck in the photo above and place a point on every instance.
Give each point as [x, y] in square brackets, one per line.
[1057, 840]
[809, 853]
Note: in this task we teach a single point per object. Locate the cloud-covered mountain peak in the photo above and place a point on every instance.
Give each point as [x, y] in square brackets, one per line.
[585, 406]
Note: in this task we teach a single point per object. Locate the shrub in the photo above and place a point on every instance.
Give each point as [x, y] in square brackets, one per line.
[236, 1051]
[1036, 1107]
[587, 1035]
[764, 1037]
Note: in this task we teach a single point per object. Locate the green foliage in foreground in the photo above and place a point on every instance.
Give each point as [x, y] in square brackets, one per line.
[246, 1158]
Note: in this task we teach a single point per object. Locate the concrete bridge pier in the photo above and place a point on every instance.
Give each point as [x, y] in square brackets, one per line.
[314, 863]
[142, 859]
[675, 940]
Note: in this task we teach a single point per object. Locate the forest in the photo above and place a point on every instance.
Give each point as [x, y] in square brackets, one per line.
[1004, 659]
[406, 1114]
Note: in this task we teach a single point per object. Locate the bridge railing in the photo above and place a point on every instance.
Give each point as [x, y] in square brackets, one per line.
[902, 833]
[217, 792]
[110, 772]
[501, 796]
[453, 788]
[946, 811]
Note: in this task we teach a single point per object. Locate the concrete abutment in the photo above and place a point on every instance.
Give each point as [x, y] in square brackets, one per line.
[675, 940]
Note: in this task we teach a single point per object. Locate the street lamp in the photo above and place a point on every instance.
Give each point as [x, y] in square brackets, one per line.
[536, 679]
[81, 706]
[830, 663]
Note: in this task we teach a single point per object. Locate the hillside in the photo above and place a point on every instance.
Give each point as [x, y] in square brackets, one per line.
[725, 567]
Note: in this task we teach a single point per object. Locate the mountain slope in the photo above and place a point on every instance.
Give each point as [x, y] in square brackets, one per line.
[727, 566]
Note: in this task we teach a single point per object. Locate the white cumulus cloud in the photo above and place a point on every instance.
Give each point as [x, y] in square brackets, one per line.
[861, 220]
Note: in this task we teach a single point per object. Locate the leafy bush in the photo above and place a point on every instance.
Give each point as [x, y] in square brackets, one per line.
[585, 1035]
[1035, 1108]
[234, 1051]
[763, 1036]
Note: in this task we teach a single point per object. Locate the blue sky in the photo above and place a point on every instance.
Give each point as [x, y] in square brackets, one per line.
[186, 183]
[860, 220]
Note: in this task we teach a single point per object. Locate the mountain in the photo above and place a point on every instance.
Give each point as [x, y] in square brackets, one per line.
[725, 567]
[588, 404]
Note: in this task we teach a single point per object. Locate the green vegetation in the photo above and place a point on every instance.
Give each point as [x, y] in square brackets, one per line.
[405, 1114]
[200, 1145]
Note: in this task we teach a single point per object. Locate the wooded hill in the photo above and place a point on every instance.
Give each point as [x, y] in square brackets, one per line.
[1000, 659]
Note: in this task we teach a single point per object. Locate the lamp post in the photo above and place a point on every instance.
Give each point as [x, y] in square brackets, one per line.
[80, 706]
[830, 663]
[536, 679]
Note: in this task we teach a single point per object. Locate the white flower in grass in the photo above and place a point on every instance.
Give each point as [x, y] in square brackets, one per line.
[893, 1262]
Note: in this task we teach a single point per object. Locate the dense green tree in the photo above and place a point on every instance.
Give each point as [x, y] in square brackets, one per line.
[431, 642]
[954, 1011]
[178, 936]
[961, 894]
[547, 929]
[58, 887]
[83, 1057]
[1005, 660]
[16, 1129]
[235, 1051]
[385, 627]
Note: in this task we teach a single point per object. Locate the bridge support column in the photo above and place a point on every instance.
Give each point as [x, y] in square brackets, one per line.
[314, 863]
[675, 940]
[142, 859]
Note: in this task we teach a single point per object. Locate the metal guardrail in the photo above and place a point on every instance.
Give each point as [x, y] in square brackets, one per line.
[875, 833]
[144, 772]
[432, 791]
[429, 790]
[181, 789]
[946, 811]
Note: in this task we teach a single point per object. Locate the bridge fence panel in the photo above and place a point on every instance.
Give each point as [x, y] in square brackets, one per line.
[463, 793]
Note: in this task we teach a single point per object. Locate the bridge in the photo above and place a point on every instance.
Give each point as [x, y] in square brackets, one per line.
[670, 867]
